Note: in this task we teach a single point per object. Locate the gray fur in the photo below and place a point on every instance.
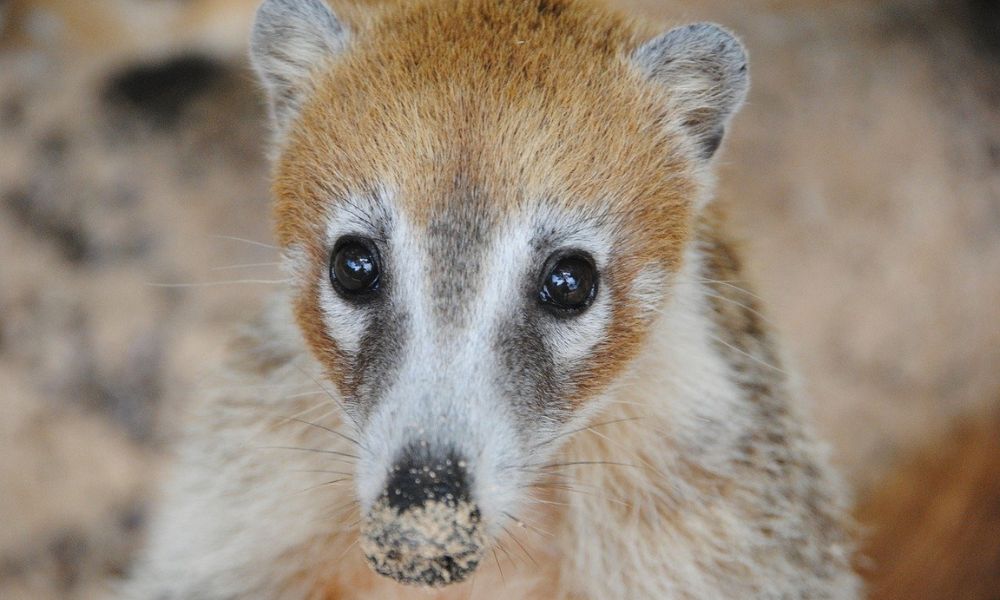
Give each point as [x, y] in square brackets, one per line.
[290, 39]
[704, 67]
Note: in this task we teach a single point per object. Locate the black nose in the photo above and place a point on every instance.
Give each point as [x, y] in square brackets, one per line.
[418, 478]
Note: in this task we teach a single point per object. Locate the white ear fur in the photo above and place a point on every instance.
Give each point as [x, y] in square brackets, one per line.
[290, 40]
[704, 68]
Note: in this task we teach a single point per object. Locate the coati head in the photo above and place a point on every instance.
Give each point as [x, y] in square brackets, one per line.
[482, 203]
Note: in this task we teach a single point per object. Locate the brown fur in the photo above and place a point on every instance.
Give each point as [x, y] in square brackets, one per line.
[934, 526]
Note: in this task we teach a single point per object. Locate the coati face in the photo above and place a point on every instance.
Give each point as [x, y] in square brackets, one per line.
[483, 204]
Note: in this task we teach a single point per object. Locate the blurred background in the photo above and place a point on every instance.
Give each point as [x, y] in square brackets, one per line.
[864, 175]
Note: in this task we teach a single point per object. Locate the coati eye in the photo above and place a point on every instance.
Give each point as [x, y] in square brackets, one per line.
[354, 268]
[569, 283]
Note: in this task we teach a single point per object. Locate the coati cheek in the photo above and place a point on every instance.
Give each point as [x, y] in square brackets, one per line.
[637, 295]
[541, 357]
[328, 352]
[529, 374]
[610, 357]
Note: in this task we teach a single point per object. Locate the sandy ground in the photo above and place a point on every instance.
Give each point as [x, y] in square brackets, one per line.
[864, 175]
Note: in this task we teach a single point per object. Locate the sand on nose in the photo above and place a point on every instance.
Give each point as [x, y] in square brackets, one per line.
[434, 544]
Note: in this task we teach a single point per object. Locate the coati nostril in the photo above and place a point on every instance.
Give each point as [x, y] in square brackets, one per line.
[417, 479]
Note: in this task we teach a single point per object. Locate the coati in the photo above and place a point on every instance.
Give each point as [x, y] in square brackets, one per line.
[516, 356]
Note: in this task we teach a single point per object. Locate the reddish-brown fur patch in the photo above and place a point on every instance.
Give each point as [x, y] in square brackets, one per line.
[934, 526]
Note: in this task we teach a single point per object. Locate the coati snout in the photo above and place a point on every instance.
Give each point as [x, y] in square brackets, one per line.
[425, 528]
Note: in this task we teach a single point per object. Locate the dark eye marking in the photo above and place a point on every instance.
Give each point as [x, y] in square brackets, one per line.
[569, 283]
[354, 268]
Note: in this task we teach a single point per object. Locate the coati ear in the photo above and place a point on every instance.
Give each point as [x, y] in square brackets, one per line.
[290, 40]
[704, 68]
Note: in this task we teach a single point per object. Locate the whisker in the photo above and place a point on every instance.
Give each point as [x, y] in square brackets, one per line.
[218, 283]
[317, 450]
[630, 403]
[645, 463]
[499, 568]
[577, 463]
[583, 492]
[324, 428]
[552, 476]
[472, 586]
[281, 419]
[730, 284]
[339, 512]
[523, 523]
[746, 307]
[503, 549]
[584, 428]
[348, 549]
[548, 502]
[520, 545]
[245, 266]
[258, 386]
[303, 395]
[346, 505]
[742, 352]
[570, 480]
[322, 471]
[331, 396]
[554, 486]
[244, 240]
[285, 419]
[324, 484]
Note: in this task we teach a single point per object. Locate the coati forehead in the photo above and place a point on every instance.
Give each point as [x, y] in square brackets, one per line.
[508, 103]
